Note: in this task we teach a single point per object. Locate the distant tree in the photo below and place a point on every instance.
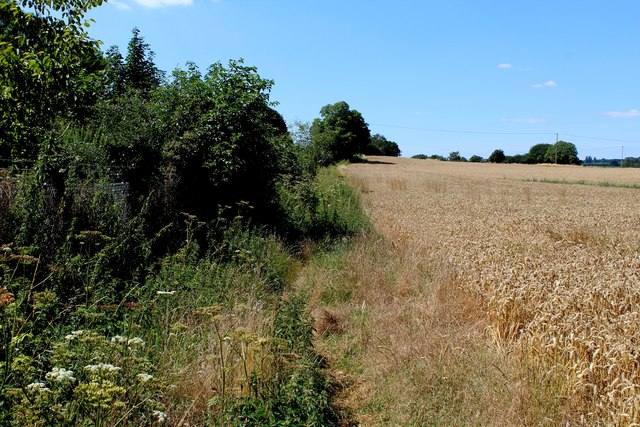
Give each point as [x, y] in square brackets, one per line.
[537, 153]
[437, 157]
[562, 152]
[381, 146]
[631, 162]
[340, 134]
[476, 159]
[516, 158]
[455, 156]
[497, 156]
[420, 156]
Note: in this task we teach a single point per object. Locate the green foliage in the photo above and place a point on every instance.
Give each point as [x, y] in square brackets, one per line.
[631, 162]
[340, 134]
[455, 156]
[562, 152]
[139, 70]
[537, 153]
[476, 159]
[146, 211]
[381, 146]
[48, 68]
[224, 142]
[93, 379]
[339, 211]
[497, 156]
[516, 158]
[323, 207]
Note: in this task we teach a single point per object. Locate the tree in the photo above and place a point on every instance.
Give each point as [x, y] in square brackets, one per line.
[497, 156]
[455, 156]
[114, 72]
[562, 152]
[340, 134]
[139, 70]
[476, 159]
[516, 158]
[224, 143]
[381, 146]
[47, 70]
[537, 153]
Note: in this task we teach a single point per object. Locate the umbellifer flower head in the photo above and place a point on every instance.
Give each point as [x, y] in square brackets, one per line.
[60, 375]
[160, 416]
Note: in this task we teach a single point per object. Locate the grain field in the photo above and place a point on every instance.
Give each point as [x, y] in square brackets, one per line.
[549, 260]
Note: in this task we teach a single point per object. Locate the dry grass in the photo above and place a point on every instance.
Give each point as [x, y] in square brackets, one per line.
[556, 271]
[218, 354]
[410, 347]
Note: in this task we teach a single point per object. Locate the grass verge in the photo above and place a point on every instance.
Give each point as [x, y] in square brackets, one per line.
[407, 346]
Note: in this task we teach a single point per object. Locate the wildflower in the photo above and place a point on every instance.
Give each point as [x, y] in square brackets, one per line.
[161, 416]
[166, 292]
[108, 367]
[143, 378]
[118, 339]
[136, 341]
[37, 386]
[73, 335]
[60, 375]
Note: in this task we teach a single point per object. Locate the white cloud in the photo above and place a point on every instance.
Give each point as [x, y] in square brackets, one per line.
[119, 5]
[623, 114]
[162, 3]
[505, 66]
[548, 83]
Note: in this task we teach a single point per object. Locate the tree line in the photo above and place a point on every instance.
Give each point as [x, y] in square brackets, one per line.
[561, 152]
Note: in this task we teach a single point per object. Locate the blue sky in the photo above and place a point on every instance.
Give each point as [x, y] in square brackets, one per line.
[492, 73]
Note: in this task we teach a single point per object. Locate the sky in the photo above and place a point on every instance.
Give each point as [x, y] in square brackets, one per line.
[433, 76]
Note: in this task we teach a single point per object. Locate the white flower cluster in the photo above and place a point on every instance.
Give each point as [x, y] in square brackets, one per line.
[118, 339]
[143, 378]
[108, 367]
[40, 387]
[73, 335]
[136, 341]
[60, 375]
[160, 416]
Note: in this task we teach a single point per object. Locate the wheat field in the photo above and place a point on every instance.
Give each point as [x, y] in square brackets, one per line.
[551, 252]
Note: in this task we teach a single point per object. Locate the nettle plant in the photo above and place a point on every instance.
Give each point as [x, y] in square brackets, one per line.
[96, 380]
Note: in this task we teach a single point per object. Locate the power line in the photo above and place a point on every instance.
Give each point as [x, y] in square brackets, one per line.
[505, 133]
[601, 139]
[464, 131]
